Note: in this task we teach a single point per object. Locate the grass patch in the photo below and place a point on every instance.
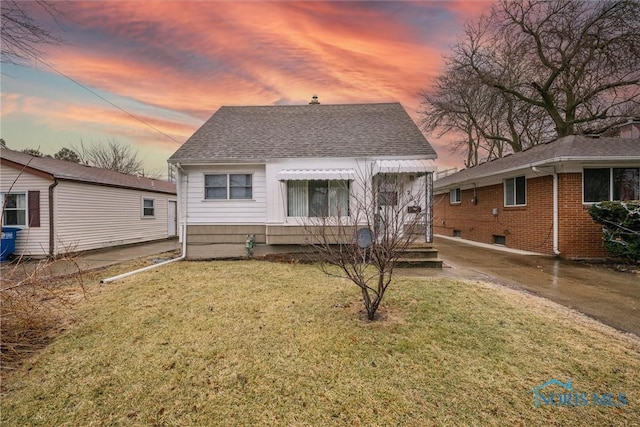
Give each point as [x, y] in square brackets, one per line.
[257, 343]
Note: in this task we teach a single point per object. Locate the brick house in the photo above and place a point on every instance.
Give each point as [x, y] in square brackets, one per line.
[538, 200]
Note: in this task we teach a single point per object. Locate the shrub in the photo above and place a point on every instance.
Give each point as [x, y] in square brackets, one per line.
[34, 303]
[620, 227]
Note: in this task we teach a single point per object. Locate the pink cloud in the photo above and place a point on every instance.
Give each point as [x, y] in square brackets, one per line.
[192, 57]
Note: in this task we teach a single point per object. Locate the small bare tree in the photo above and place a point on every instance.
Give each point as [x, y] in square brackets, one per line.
[113, 155]
[363, 239]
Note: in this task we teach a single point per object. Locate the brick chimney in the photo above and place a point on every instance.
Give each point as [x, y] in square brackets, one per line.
[314, 100]
[631, 129]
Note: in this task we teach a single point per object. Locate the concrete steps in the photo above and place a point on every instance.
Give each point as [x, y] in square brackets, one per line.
[421, 255]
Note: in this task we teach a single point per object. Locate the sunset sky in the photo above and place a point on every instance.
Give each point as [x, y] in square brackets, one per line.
[172, 64]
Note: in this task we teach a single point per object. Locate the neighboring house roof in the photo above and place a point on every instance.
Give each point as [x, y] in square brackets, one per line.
[288, 131]
[65, 170]
[570, 148]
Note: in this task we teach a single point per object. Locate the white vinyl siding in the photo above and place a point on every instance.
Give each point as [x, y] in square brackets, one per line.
[225, 211]
[31, 241]
[93, 216]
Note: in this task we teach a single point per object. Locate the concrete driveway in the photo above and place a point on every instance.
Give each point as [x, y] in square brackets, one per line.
[609, 296]
[89, 260]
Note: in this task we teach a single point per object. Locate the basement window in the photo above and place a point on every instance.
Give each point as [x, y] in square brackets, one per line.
[457, 233]
[499, 240]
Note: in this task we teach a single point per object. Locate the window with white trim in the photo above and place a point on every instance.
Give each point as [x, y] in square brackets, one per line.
[15, 209]
[604, 184]
[515, 191]
[226, 186]
[148, 208]
[455, 196]
[318, 198]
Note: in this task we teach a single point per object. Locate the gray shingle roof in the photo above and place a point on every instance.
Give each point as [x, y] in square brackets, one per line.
[575, 147]
[288, 131]
[62, 169]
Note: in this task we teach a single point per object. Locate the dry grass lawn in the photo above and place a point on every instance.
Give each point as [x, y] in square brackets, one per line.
[252, 343]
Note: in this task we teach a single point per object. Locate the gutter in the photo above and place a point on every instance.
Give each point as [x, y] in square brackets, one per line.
[52, 246]
[540, 163]
[536, 169]
[180, 258]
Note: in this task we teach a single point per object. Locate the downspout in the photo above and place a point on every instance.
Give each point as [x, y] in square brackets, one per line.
[52, 235]
[184, 243]
[556, 250]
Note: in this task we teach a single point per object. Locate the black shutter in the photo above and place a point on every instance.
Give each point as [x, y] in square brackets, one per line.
[33, 200]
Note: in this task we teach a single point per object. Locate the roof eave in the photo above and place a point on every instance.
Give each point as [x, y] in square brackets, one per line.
[539, 163]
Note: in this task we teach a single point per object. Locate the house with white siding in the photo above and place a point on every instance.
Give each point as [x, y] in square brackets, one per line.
[62, 206]
[271, 171]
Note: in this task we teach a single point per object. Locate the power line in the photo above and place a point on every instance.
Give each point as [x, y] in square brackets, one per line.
[106, 100]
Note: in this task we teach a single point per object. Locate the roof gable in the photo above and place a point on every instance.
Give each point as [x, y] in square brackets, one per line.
[62, 169]
[290, 131]
[569, 148]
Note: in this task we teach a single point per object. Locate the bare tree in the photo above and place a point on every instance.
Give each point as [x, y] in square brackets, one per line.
[533, 70]
[362, 239]
[113, 155]
[22, 36]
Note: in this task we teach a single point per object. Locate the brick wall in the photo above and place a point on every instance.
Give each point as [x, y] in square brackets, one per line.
[529, 227]
[578, 235]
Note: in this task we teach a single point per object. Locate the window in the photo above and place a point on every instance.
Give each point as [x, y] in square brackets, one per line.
[454, 196]
[603, 184]
[228, 186]
[499, 240]
[15, 209]
[387, 190]
[318, 198]
[148, 208]
[388, 198]
[515, 191]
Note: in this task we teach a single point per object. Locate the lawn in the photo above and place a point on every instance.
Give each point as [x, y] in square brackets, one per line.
[253, 343]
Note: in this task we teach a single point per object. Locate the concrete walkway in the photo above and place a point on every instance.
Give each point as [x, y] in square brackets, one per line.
[92, 260]
[609, 296]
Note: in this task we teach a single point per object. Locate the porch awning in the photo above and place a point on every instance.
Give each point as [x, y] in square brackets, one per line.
[316, 174]
[403, 166]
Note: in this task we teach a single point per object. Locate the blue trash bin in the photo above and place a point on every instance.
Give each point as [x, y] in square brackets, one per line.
[8, 242]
